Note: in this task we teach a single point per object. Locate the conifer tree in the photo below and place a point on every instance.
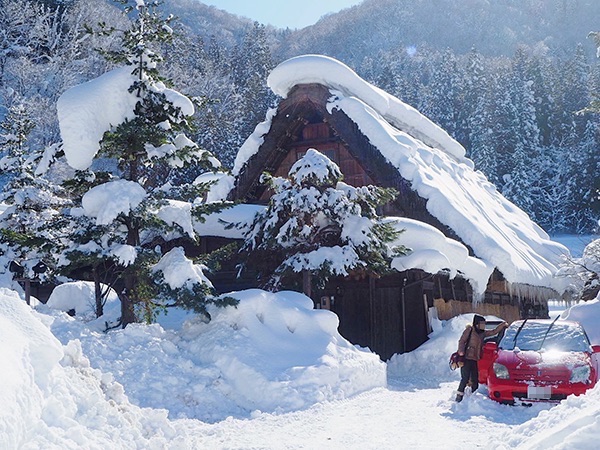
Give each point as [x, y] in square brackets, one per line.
[482, 135]
[583, 184]
[317, 225]
[551, 193]
[473, 116]
[33, 201]
[441, 104]
[251, 67]
[130, 244]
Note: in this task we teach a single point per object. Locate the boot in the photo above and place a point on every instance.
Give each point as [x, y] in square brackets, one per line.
[459, 396]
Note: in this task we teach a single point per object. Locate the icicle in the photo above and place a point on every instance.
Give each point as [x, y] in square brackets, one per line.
[534, 293]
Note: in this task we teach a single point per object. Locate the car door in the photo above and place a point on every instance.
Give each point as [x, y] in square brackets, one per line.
[490, 351]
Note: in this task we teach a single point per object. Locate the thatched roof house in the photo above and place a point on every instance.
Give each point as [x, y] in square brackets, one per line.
[469, 242]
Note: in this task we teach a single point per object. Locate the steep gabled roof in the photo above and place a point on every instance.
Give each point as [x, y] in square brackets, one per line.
[402, 147]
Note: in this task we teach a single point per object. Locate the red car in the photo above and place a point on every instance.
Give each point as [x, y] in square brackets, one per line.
[539, 359]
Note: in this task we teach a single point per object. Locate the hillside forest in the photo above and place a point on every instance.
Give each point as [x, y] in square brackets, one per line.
[519, 108]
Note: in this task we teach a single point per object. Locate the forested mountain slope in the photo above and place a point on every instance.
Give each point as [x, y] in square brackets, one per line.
[495, 27]
[504, 77]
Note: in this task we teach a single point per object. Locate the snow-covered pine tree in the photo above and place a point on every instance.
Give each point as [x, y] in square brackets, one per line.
[551, 192]
[317, 225]
[251, 67]
[472, 118]
[479, 120]
[442, 103]
[33, 202]
[519, 178]
[14, 131]
[576, 86]
[583, 166]
[137, 213]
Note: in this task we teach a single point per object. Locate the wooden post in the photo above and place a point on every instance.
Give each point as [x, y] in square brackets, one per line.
[373, 313]
[307, 283]
[27, 290]
[27, 285]
[426, 309]
[403, 317]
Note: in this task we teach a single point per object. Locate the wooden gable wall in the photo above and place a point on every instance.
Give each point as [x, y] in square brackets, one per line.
[321, 137]
[302, 122]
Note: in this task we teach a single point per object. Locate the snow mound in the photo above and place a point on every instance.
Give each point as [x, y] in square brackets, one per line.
[588, 315]
[430, 360]
[574, 423]
[272, 353]
[284, 355]
[51, 398]
[88, 110]
[79, 296]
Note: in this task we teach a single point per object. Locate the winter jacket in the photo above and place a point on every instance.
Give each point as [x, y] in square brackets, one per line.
[474, 348]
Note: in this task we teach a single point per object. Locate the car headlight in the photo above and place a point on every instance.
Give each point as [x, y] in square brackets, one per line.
[581, 374]
[501, 371]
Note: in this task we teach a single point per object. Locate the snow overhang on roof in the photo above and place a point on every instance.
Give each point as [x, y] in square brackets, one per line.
[500, 234]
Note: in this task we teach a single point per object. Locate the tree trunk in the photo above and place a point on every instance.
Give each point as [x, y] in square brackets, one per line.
[127, 297]
[98, 293]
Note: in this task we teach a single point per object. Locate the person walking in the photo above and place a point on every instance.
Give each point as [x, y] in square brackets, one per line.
[470, 345]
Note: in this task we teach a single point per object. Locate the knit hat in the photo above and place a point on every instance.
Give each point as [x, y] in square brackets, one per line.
[477, 319]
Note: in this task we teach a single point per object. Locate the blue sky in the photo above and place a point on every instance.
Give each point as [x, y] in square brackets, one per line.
[282, 13]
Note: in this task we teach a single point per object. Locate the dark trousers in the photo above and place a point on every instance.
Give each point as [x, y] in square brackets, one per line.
[469, 372]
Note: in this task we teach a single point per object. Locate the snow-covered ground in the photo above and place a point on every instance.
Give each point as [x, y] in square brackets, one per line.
[272, 373]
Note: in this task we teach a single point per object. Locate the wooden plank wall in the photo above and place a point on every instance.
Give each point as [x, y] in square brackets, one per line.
[371, 314]
[452, 308]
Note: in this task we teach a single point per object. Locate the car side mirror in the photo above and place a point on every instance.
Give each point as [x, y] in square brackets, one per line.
[491, 346]
[596, 348]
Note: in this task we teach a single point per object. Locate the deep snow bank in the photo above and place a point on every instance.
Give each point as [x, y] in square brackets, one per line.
[430, 360]
[51, 398]
[588, 314]
[79, 296]
[272, 353]
[573, 424]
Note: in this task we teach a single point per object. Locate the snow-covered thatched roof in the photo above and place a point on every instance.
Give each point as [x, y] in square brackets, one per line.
[499, 233]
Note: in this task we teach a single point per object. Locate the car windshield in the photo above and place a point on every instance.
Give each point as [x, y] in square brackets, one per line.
[562, 336]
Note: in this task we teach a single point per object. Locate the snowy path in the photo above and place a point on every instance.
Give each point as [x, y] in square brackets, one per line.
[167, 378]
[398, 417]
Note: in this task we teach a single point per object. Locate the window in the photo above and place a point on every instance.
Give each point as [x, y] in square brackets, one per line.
[330, 153]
